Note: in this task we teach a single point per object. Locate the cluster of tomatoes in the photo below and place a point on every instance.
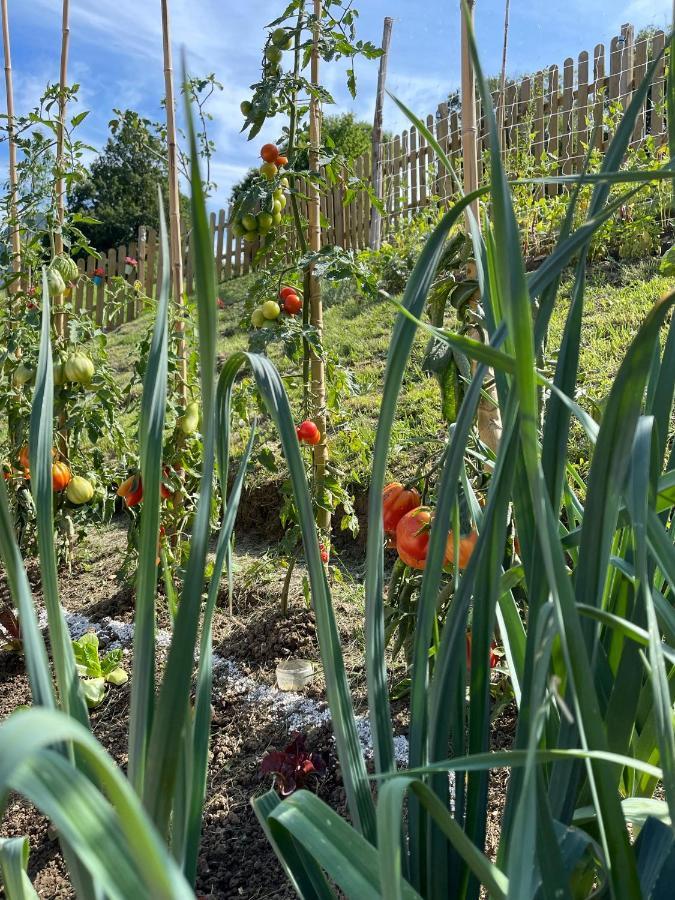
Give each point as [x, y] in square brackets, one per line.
[408, 523]
[251, 226]
[78, 489]
[265, 316]
[131, 489]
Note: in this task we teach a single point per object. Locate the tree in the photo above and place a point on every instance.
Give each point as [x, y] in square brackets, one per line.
[121, 189]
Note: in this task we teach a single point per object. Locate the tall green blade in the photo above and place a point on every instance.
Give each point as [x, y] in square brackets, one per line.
[40, 443]
[173, 702]
[201, 729]
[357, 787]
[13, 862]
[515, 294]
[112, 838]
[400, 347]
[151, 438]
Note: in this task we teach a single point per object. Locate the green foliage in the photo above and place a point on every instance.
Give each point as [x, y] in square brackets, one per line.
[120, 190]
[96, 671]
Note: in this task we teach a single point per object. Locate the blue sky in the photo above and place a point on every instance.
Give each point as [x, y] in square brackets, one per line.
[116, 54]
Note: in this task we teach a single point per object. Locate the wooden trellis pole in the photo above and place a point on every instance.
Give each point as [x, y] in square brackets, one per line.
[174, 208]
[318, 375]
[13, 178]
[375, 218]
[502, 80]
[469, 129]
[60, 317]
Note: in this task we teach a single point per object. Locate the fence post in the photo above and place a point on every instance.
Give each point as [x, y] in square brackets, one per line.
[375, 218]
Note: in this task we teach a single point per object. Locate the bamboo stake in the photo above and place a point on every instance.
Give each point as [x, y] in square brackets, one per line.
[318, 377]
[375, 218]
[174, 209]
[502, 80]
[13, 179]
[60, 316]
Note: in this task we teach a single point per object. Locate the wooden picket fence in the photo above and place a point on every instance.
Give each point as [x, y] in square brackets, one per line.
[552, 115]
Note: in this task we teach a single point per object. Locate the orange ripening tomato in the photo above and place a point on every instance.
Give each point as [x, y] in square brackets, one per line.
[131, 490]
[292, 304]
[61, 475]
[466, 544]
[269, 152]
[412, 540]
[412, 537]
[286, 291]
[281, 160]
[23, 457]
[396, 502]
[308, 432]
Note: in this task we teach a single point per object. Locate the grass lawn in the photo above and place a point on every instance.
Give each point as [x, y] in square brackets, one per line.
[358, 334]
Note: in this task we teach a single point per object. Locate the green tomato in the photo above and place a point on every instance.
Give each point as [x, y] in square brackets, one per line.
[250, 237]
[246, 106]
[282, 200]
[274, 55]
[238, 229]
[284, 183]
[249, 222]
[258, 318]
[276, 218]
[277, 206]
[271, 309]
[281, 39]
[265, 221]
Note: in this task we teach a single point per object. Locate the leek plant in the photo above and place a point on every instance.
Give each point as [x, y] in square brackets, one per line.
[590, 651]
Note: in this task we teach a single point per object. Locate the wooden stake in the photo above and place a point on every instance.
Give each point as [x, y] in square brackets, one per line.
[489, 418]
[60, 315]
[13, 178]
[375, 218]
[469, 130]
[318, 376]
[175, 246]
[502, 80]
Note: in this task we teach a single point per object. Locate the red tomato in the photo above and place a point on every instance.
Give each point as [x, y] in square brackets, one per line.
[292, 304]
[61, 475]
[131, 490]
[281, 160]
[285, 291]
[412, 537]
[324, 553]
[396, 502]
[269, 152]
[494, 657]
[308, 433]
[164, 489]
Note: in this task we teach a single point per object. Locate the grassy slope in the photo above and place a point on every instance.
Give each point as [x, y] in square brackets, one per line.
[359, 333]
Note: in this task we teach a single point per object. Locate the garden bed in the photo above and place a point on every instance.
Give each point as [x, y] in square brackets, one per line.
[250, 715]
